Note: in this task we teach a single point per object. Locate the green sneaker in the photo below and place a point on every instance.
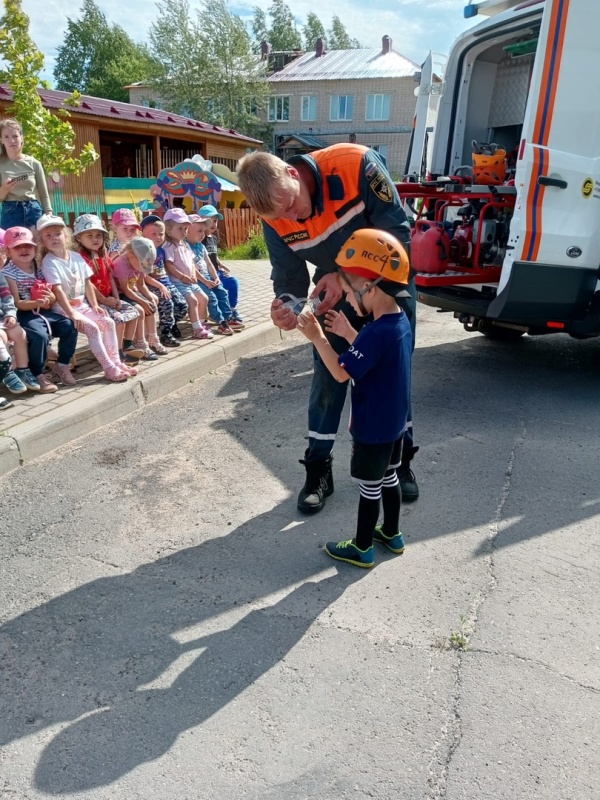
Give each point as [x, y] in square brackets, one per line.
[393, 543]
[347, 551]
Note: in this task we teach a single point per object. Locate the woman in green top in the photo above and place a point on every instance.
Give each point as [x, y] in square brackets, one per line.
[23, 190]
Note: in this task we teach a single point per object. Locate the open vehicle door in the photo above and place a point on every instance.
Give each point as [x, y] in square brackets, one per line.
[551, 267]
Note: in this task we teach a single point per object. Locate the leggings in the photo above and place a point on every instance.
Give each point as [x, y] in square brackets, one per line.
[102, 337]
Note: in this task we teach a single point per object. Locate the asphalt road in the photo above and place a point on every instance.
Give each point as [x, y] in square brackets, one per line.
[171, 628]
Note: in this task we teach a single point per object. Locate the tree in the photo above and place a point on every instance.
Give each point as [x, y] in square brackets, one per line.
[338, 38]
[283, 34]
[313, 30]
[50, 137]
[259, 27]
[99, 59]
[208, 68]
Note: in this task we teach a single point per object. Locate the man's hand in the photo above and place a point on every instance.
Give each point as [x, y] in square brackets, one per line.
[307, 323]
[333, 292]
[282, 317]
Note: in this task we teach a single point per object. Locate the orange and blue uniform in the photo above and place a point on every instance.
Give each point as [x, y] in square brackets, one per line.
[353, 190]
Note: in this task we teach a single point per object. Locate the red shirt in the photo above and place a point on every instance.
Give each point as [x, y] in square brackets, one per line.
[102, 269]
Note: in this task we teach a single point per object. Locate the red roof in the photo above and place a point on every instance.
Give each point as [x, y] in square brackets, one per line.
[111, 109]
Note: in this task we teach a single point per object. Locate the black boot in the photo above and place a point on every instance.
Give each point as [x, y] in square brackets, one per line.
[318, 485]
[408, 482]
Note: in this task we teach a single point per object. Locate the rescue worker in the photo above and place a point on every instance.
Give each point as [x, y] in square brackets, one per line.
[310, 206]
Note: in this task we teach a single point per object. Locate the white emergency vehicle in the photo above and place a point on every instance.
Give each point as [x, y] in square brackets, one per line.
[515, 248]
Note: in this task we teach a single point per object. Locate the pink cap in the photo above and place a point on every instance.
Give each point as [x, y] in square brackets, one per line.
[2, 232]
[125, 216]
[13, 237]
[177, 215]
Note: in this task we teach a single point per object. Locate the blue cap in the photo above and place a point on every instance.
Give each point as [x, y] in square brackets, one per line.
[209, 211]
[150, 220]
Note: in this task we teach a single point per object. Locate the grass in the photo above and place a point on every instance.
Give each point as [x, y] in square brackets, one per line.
[254, 248]
[458, 639]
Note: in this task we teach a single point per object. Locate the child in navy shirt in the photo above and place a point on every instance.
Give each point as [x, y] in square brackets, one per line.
[374, 270]
[172, 307]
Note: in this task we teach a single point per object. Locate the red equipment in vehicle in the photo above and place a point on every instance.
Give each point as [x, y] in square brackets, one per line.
[430, 247]
[461, 245]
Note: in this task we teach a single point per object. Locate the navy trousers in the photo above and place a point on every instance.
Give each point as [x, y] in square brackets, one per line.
[38, 337]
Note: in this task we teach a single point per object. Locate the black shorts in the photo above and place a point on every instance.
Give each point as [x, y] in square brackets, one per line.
[370, 462]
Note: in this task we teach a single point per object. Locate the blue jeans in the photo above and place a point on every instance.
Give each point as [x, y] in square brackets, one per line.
[24, 213]
[232, 285]
[218, 303]
[39, 338]
[327, 396]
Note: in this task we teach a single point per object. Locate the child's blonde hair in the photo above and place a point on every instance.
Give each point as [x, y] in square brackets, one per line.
[70, 244]
[169, 225]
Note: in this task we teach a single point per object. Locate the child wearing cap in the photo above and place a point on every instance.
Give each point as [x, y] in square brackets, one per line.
[92, 239]
[172, 308]
[35, 315]
[69, 276]
[19, 379]
[136, 260]
[125, 227]
[2, 248]
[218, 300]
[181, 267]
[374, 269]
[211, 242]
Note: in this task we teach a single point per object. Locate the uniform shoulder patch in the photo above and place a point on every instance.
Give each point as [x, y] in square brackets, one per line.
[380, 184]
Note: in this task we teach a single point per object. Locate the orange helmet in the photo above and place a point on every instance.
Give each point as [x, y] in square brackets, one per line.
[375, 254]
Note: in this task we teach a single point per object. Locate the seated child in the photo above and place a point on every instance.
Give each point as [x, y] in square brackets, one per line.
[2, 248]
[218, 300]
[19, 379]
[69, 276]
[136, 260]
[172, 308]
[211, 242]
[36, 317]
[182, 271]
[92, 238]
[374, 270]
[125, 227]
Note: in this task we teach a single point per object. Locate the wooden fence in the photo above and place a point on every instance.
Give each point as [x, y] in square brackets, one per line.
[236, 226]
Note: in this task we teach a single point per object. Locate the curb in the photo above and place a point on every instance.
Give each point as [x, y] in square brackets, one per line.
[43, 434]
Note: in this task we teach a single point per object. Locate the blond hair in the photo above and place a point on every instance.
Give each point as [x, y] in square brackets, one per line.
[9, 122]
[70, 243]
[259, 175]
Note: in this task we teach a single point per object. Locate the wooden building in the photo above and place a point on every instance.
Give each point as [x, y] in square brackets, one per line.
[134, 144]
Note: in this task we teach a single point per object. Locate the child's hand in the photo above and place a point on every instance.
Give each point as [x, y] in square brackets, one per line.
[164, 292]
[186, 279]
[225, 270]
[10, 322]
[307, 323]
[337, 322]
[79, 321]
[111, 302]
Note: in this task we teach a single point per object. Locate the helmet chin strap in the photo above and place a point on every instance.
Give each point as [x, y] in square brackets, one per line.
[358, 295]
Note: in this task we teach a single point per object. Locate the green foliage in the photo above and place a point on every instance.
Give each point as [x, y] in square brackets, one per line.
[338, 38]
[313, 30]
[48, 137]
[260, 29]
[253, 249]
[99, 59]
[283, 34]
[208, 69]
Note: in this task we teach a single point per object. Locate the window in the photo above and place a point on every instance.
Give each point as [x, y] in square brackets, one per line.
[341, 107]
[378, 107]
[279, 109]
[383, 150]
[308, 108]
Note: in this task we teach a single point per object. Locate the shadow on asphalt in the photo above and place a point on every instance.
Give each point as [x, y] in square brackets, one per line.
[99, 646]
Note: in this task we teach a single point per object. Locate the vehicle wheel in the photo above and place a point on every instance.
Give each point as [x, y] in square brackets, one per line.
[499, 334]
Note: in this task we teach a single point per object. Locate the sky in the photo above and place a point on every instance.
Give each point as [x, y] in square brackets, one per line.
[415, 26]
